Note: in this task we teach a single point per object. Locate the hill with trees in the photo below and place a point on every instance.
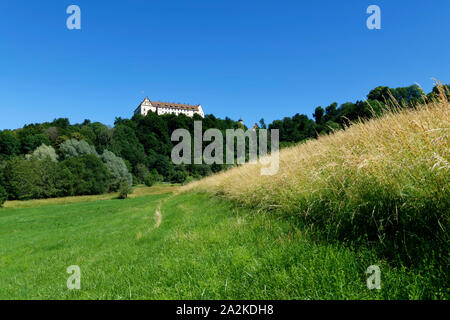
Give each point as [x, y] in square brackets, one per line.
[55, 159]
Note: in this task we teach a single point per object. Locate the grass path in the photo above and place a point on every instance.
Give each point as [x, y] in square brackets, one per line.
[206, 248]
[158, 216]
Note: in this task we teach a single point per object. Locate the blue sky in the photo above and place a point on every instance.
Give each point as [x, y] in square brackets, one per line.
[249, 59]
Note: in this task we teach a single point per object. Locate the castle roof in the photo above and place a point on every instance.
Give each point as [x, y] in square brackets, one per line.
[170, 105]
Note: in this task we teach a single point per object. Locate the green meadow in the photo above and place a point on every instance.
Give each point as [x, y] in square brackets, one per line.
[194, 247]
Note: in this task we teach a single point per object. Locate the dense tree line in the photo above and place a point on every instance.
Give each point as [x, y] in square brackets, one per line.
[54, 159]
[333, 117]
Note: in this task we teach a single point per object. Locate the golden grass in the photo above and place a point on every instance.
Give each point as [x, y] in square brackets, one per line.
[139, 191]
[398, 151]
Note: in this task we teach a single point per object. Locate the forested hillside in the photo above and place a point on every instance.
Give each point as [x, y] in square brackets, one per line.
[55, 159]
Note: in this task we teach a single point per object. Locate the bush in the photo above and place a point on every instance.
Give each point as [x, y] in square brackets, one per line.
[178, 176]
[136, 180]
[189, 179]
[157, 176]
[124, 189]
[3, 196]
[141, 171]
[201, 170]
[150, 179]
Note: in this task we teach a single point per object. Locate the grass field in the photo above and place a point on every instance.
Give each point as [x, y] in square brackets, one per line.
[375, 194]
[137, 192]
[383, 184]
[204, 248]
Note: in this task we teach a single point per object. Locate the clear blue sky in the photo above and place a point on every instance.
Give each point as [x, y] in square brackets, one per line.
[245, 58]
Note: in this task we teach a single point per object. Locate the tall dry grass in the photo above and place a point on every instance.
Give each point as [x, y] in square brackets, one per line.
[383, 181]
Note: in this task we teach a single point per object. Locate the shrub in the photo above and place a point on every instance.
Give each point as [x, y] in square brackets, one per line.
[141, 171]
[124, 189]
[157, 176]
[201, 170]
[189, 179]
[136, 180]
[178, 176]
[150, 179]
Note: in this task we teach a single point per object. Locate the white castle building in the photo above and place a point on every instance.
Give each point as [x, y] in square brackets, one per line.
[168, 107]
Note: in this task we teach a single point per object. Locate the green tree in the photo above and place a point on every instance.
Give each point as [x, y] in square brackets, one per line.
[52, 133]
[118, 169]
[3, 193]
[34, 179]
[141, 171]
[21, 179]
[161, 163]
[125, 144]
[44, 152]
[178, 176]
[102, 136]
[332, 126]
[53, 179]
[318, 114]
[262, 124]
[150, 179]
[90, 174]
[3, 196]
[75, 148]
[379, 93]
[9, 144]
[30, 143]
[124, 189]
[331, 112]
[439, 91]
[153, 133]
